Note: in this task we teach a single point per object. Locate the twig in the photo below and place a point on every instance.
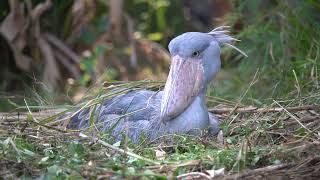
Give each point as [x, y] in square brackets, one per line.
[294, 117]
[172, 167]
[120, 150]
[261, 170]
[263, 110]
[253, 81]
[23, 115]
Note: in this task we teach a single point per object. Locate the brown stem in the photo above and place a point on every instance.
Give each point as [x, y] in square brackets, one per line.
[262, 110]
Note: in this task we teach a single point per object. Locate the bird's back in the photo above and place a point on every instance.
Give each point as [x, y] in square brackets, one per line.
[133, 113]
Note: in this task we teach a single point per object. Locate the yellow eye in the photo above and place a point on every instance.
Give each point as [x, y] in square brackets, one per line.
[195, 54]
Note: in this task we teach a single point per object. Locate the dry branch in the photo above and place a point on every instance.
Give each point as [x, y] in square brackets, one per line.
[72, 68]
[62, 47]
[305, 169]
[115, 7]
[133, 55]
[172, 167]
[52, 112]
[40, 9]
[23, 115]
[51, 72]
[14, 30]
[262, 110]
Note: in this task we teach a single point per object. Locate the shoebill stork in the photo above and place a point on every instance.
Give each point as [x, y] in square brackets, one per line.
[181, 107]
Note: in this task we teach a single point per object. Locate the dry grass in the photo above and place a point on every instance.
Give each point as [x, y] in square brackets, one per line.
[278, 140]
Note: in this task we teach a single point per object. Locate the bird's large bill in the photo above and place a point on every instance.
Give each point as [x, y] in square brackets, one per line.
[184, 83]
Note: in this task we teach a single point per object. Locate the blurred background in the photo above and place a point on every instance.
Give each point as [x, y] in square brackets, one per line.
[52, 51]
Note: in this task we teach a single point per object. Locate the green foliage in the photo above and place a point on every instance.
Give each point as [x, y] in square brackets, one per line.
[89, 63]
[153, 17]
[282, 41]
[65, 157]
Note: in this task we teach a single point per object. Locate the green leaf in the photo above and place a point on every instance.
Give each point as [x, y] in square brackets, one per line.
[28, 152]
[76, 148]
[156, 36]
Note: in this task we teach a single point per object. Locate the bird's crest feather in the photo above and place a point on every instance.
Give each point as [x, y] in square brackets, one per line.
[220, 35]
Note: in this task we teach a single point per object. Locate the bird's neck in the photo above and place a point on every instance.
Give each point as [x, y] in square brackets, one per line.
[200, 99]
[202, 94]
[195, 116]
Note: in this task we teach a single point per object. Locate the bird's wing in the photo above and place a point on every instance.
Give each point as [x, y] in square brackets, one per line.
[136, 107]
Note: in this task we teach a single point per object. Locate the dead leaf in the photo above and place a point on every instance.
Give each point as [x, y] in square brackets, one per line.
[215, 173]
[160, 154]
[220, 137]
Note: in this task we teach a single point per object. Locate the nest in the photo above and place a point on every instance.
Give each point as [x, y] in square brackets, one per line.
[286, 131]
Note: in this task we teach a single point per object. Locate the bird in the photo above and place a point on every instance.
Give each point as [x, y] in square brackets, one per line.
[180, 108]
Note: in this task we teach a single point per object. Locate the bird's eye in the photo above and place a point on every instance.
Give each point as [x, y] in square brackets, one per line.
[195, 54]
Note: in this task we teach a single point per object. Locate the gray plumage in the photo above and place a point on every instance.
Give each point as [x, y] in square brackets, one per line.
[180, 108]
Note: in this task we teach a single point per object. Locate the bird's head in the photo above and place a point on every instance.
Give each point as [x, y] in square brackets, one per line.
[195, 60]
